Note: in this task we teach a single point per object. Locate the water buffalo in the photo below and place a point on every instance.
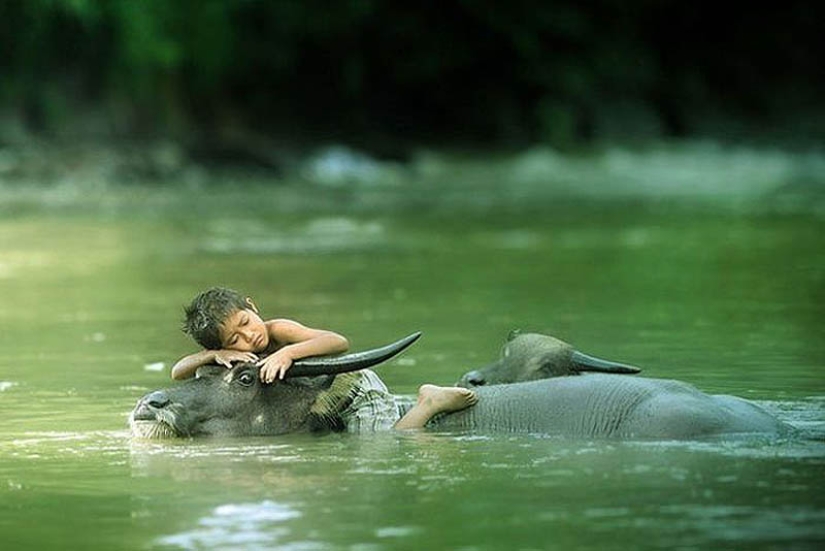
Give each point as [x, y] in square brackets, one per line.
[602, 404]
[233, 402]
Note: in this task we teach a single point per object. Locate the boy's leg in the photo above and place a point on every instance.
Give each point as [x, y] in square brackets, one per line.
[436, 399]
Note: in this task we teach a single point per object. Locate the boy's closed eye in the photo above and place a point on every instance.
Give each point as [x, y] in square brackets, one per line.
[234, 339]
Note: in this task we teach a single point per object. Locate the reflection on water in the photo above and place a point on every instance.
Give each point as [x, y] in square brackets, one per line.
[727, 299]
[746, 525]
[383, 491]
[250, 526]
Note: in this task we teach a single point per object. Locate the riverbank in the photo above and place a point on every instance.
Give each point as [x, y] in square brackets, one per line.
[165, 175]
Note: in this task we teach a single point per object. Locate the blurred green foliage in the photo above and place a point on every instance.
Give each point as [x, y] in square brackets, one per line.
[558, 71]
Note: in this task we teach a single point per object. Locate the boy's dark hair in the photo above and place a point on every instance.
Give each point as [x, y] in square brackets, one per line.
[207, 312]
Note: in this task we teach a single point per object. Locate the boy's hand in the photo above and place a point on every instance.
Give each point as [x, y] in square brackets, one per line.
[226, 357]
[274, 366]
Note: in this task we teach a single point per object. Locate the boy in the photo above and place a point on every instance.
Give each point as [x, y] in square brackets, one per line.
[229, 328]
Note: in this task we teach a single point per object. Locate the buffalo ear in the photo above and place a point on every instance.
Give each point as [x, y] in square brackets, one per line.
[513, 334]
[583, 362]
[552, 365]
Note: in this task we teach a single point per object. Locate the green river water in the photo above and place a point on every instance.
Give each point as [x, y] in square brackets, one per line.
[728, 299]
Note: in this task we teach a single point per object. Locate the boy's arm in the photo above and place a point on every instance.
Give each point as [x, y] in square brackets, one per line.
[186, 366]
[302, 341]
[298, 342]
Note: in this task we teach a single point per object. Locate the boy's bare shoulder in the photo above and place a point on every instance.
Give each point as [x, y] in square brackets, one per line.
[285, 330]
[282, 323]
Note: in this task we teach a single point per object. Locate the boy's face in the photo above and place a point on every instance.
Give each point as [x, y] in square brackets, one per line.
[244, 330]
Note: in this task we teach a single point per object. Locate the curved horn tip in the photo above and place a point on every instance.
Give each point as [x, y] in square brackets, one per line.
[412, 337]
[598, 365]
[322, 365]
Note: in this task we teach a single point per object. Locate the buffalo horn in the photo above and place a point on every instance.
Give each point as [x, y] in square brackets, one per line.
[311, 367]
[583, 362]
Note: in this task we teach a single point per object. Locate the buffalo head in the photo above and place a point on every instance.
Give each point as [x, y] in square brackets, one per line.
[531, 356]
[234, 402]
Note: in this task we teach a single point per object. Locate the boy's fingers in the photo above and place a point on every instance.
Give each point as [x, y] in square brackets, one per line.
[269, 373]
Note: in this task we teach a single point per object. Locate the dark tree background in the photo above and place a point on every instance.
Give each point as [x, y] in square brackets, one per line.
[501, 74]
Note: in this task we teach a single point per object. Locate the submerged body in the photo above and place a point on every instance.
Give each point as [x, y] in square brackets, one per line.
[589, 396]
[610, 406]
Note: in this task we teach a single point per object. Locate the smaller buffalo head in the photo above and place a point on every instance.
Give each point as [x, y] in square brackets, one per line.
[531, 356]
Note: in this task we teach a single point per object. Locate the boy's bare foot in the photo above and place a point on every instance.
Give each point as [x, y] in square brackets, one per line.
[433, 400]
[439, 399]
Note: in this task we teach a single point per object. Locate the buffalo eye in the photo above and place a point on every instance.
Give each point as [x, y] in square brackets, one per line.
[246, 378]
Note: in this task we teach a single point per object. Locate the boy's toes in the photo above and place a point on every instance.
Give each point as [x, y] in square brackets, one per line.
[468, 397]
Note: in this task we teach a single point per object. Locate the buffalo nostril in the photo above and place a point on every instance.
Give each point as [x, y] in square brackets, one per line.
[475, 378]
[157, 399]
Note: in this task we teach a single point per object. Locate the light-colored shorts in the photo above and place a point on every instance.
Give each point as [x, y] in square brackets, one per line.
[373, 407]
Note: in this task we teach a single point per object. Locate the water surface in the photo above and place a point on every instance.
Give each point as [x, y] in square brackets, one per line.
[727, 299]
